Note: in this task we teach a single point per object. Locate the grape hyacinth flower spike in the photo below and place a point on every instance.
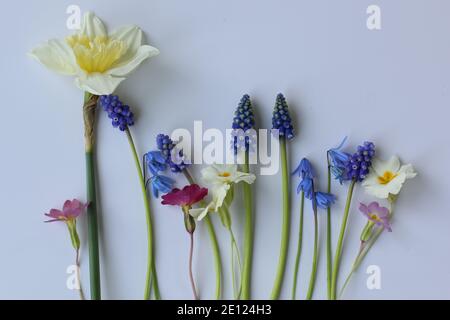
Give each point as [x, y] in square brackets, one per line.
[283, 129]
[244, 139]
[122, 118]
[175, 159]
[356, 170]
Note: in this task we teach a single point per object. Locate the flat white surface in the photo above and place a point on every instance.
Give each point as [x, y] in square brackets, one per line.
[389, 86]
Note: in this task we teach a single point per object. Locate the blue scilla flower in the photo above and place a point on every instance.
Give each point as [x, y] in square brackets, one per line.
[243, 122]
[120, 114]
[307, 186]
[357, 168]
[160, 184]
[281, 120]
[155, 162]
[167, 146]
[338, 160]
[304, 169]
[324, 200]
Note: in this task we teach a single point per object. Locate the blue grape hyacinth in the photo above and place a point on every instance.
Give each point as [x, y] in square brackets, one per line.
[166, 146]
[120, 114]
[243, 121]
[358, 166]
[281, 119]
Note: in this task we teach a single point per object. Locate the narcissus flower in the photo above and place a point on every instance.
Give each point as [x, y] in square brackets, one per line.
[98, 60]
[377, 214]
[387, 177]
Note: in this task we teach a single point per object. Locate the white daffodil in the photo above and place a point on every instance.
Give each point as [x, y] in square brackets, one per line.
[99, 61]
[221, 179]
[387, 177]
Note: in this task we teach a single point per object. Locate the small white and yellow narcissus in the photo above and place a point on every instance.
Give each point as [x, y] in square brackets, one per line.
[387, 177]
[99, 61]
[220, 179]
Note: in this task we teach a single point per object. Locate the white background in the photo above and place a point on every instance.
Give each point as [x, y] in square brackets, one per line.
[389, 86]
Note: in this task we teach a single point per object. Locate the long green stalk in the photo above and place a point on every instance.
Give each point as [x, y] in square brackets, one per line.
[364, 250]
[89, 108]
[214, 244]
[248, 235]
[151, 277]
[329, 238]
[337, 257]
[299, 246]
[312, 280]
[285, 224]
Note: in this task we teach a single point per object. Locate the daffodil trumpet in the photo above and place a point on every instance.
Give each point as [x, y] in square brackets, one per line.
[214, 243]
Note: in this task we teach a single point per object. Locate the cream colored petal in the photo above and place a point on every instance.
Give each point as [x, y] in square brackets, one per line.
[209, 174]
[143, 53]
[378, 191]
[57, 56]
[392, 165]
[199, 213]
[92, 26]
[219, 192]
[131, 37]
[408, 170]
[246, 177]
[97, 83]
[395, 185]
[371, 179]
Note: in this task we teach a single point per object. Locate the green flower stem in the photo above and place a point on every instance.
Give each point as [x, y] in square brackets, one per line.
[312, 280]
[77, 263]
[151, 277]
[364, 250]
[248, 235]
[214, 244]
[329, 240]
[299, 246]
[286, 223]
[191, 276]
[89, 108]
[337, 257]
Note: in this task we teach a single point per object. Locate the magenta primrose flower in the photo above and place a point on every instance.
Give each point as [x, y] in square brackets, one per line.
[71, 210]
[377, 214]
[187, 197]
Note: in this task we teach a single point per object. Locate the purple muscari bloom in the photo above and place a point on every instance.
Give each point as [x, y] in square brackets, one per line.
[155, 162]
[359, 164]
[169, 151]
[338, 161]
[281, 119]
[325, 200]
[120, 114]
[377, 214]
[160, 183]
[243, 121]
[304, 169]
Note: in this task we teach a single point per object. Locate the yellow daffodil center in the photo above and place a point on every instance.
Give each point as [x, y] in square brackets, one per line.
[97, 54]
[387, 177]
[224, 174]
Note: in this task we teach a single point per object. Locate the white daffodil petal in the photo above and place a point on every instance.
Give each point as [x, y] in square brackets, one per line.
[97, 83]
[392, 165]
[408, 170]
[377, 191]
[219, 194]
[92, 26]
[371, 179]
[210, 174]
[144, 52]
[395, 185]
[57, 56]
[131, 37]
